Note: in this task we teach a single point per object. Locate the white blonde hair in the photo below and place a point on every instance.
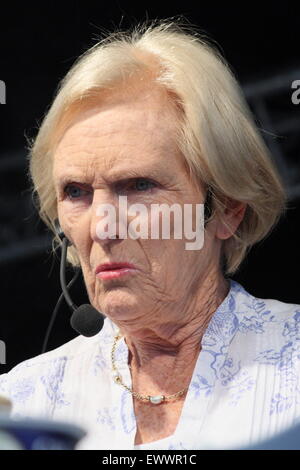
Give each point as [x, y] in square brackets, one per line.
[217, 133]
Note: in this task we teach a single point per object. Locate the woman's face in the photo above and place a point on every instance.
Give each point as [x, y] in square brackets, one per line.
[127, 147]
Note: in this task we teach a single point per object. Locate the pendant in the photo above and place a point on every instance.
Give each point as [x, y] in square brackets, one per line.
[116, 376]
[156, 400]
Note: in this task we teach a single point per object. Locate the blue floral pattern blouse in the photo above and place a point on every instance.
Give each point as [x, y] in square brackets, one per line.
[245, 386]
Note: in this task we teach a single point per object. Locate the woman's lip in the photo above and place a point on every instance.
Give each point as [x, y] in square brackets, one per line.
[112, 267]
[114, 270]
[115, 273]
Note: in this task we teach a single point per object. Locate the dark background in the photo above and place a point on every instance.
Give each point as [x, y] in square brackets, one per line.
[38, 44]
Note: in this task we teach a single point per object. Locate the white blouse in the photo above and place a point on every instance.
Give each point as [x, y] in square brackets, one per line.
[245, 386]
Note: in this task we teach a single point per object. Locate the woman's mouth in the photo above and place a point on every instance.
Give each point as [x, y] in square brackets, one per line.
[114, 270]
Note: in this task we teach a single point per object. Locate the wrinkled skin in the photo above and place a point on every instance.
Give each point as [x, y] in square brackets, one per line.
[165, 306]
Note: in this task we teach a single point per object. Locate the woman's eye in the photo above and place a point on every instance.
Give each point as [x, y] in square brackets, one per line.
[75, 192]
[142, 184]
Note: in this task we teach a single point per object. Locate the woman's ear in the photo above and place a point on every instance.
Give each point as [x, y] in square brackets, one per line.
[232, 217]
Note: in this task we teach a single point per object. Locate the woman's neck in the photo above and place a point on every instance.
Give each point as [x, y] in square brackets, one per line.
[171, 345]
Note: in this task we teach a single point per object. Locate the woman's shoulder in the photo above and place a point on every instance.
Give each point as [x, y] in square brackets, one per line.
[262, 310]
[72, 352]
[269, 325]
[33, 367]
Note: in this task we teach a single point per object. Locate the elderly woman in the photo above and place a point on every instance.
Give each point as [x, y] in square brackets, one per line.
[187, 358]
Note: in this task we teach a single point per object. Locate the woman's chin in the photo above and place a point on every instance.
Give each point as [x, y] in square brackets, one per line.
[119, 304]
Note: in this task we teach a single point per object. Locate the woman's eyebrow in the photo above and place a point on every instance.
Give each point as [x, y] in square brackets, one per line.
[161, 175]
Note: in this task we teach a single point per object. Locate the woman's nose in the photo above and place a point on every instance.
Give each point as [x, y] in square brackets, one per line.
[104, 218]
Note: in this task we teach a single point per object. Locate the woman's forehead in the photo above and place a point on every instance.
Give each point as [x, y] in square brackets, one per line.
[149, 110]
[123, 133]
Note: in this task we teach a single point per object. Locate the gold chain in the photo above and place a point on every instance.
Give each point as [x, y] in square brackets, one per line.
[152, 399]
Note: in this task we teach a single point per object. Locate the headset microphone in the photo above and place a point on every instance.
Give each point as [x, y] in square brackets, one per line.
[86, 320]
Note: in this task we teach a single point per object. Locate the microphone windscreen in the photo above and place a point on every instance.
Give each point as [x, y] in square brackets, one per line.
[86, 320]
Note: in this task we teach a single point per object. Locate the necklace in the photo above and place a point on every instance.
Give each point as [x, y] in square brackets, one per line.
[155, 399]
